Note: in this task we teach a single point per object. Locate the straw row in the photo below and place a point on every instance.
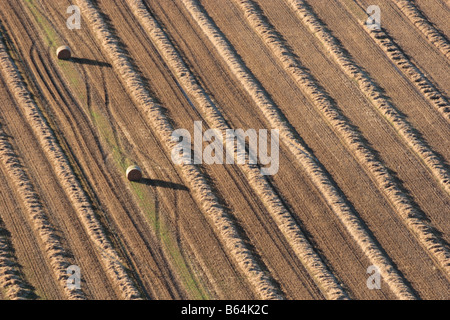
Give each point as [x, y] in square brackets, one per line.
[36, 215]
[416, 16]
[386, 183]
[13, 285]
[435, 97]
[321, 179]
[63, 171]
[193, 177]
[373, 92]
[285, 222]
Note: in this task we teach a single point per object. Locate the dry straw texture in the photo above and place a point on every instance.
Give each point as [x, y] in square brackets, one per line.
[424, 83]
[436, 98]
[321, 179]
[387, 184]
[373, 92]
[61, 166]
[13, 286]
[193, 177]
[409, 8]
[37, 215]
[325, 280]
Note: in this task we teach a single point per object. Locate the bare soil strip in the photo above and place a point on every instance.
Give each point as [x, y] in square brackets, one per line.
[191, 174]
[316, 172]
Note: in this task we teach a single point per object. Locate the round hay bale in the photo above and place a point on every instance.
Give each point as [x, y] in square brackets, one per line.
[64, 53]
[134, 173]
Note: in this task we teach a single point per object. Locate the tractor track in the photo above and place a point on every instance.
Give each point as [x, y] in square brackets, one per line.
[363, 157]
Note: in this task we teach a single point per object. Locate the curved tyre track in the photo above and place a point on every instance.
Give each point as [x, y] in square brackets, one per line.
[308, 232]
[63, 170]
[12, 284]
[118, 214]
[191, 174]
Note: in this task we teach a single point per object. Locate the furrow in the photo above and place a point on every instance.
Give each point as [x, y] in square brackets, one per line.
[65, 174]
[318, 175]
[418, 18]
[217, 214]
[404, 206]
[37, 215]
[373, 92]
[324, 279]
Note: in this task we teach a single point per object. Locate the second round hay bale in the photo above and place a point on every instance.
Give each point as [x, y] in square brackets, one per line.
[64, 53]
[134, 173]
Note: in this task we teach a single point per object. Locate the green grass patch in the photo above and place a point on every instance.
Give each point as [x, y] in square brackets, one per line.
[144, 198]
[143, 194]
[354, 8]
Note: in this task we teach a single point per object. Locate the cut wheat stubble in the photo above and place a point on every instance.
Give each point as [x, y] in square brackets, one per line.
[373, 93]
[12, 283]
[69, 181]
[403, 204]
[320, 178]
[202, 192]
[37, 215]
[418, 18]
[415, 75]
[325, 280]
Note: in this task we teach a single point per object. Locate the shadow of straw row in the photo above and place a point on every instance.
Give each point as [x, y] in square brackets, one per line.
[317, 173]
[192, 176]
[63, 171]
[287, 224]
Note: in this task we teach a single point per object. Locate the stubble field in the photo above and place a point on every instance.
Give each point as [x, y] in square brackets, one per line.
[362, 188]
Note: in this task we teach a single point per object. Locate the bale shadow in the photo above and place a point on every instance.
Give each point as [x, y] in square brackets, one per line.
[163, 184]
[90, 62]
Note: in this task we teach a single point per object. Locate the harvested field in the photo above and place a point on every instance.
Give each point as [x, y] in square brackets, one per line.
[358, 125]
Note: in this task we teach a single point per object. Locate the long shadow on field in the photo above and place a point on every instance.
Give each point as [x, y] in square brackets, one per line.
[163, 184]
[90, 62]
